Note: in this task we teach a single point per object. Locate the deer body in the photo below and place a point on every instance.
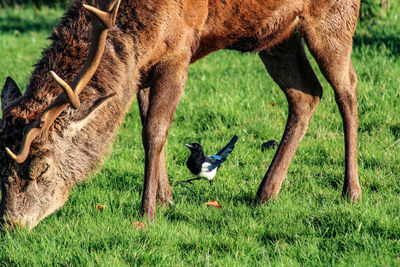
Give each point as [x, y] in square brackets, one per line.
[148, 53]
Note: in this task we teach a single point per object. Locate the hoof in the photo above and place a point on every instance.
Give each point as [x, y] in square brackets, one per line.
[265, 200]
[354, 195]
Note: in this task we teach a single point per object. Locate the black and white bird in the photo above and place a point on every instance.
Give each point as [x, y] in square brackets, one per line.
[206, 166]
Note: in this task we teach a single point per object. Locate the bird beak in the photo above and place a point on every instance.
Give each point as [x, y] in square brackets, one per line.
[189, 145]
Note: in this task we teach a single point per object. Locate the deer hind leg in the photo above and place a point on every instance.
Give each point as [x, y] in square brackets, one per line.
[164, 194]
[289, 67]
[168, 80]
[331, 45]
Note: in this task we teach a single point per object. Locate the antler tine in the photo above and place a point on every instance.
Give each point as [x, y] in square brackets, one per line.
[25, 147]
[40, 125]
[73, 98]
[99, 32]
[107, 18]
[103, 22]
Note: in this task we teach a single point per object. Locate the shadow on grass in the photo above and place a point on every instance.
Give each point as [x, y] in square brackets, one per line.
[395, 129]
[379, 35]
[391, 42]
[248, 199]
[15, 23]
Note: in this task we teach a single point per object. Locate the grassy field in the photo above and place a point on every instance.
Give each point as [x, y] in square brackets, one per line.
[230, 93]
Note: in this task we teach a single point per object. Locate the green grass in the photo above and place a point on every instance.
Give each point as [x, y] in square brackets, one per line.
[228, 93]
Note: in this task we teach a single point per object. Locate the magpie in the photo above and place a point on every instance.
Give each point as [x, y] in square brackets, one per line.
[205, 166]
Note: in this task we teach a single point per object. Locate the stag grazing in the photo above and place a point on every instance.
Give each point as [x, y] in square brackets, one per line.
[60, 125]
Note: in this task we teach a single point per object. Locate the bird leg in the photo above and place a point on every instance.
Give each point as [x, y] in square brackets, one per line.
[190, 180]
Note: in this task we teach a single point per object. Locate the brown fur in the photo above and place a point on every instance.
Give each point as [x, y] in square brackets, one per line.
[148, 54]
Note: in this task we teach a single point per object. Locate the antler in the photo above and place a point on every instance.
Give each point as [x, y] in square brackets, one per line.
[102, 21]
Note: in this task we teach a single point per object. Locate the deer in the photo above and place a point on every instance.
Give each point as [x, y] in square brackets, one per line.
[53, 136]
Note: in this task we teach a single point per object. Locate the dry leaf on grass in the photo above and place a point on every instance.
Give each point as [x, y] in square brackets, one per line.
[213, 203]
[100, 207]
[139, 225]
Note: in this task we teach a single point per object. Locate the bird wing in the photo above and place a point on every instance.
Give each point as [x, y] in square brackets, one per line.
[214, 160]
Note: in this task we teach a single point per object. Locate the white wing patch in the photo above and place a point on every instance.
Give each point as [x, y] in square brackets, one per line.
[205, 173]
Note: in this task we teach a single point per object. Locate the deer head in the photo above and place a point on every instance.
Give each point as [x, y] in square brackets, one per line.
[33, 182]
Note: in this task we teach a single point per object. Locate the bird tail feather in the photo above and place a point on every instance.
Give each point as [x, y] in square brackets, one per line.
[226, 150]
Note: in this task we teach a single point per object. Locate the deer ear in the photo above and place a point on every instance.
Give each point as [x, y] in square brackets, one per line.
[2, 126]
[10, 93]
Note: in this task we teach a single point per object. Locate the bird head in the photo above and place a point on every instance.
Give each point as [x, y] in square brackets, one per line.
[194, 147]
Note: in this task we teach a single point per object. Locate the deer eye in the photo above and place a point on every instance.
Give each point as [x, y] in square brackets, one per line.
[37, 170]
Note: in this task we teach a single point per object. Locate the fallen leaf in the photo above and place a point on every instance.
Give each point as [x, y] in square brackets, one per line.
[139, 225]
[213, 203]
[100, 207]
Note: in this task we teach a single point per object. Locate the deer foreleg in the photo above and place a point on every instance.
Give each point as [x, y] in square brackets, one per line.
[168, 80]
[164, 194]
